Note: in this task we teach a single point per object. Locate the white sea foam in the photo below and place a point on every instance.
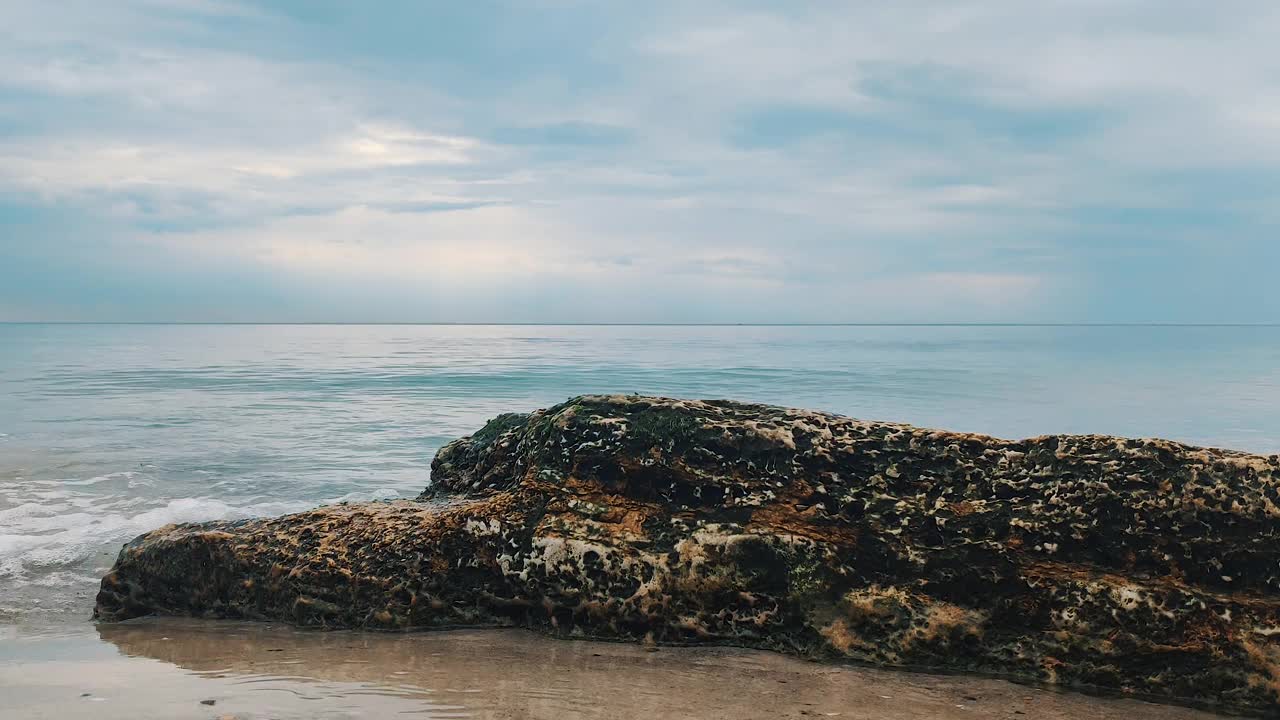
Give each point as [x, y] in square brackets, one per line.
[39, 539]
[366, 496]
[127, 475]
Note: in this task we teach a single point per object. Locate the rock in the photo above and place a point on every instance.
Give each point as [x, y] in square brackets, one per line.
[1144, 567]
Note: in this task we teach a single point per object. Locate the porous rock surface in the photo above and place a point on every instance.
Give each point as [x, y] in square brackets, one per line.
[1139, 566]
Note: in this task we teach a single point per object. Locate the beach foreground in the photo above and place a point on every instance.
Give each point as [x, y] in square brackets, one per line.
[180, 668]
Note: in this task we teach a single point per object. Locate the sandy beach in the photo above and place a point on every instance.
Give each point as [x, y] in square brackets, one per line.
[165, 668]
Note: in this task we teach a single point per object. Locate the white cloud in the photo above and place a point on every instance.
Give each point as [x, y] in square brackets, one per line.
[333, 172]
[975, 133]
[101, 164]
[456, 246]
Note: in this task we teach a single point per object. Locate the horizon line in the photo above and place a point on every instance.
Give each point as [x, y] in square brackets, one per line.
[645, 324]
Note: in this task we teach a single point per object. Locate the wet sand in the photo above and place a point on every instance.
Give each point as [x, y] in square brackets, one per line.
[165, 668]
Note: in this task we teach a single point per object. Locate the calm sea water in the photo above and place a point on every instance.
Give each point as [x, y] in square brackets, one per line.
[107, 431]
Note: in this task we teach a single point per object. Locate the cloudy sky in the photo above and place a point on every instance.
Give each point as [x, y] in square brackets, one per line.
[565, 160]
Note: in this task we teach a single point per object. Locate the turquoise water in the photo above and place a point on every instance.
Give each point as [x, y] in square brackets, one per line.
[107, 431]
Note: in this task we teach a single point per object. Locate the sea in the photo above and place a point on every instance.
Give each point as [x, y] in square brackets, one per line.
[108, 431]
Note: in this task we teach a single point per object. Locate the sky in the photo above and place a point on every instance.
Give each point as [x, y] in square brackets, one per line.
[666, 161]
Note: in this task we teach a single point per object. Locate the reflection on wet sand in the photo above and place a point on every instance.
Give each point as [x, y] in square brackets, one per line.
[516, 674]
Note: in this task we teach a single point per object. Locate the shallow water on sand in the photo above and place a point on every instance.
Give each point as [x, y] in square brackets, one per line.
[163, 668]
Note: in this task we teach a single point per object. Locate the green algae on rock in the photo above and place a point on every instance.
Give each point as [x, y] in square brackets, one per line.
[1135, 566]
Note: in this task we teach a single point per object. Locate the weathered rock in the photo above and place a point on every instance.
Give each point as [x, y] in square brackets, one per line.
[1140, 566]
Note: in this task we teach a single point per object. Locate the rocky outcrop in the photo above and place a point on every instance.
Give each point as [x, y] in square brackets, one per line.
[1138, 566]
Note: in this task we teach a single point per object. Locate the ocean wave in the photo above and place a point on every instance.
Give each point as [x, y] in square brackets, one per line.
[37, 540]
[377, 495]
[127, 475]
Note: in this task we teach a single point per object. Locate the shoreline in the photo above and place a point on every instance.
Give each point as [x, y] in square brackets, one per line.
[172, 668]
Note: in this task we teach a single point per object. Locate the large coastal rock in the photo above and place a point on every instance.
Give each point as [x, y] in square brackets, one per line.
[1139, 566]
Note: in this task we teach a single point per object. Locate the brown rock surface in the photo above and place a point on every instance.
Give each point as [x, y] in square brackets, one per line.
[1140, 566]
